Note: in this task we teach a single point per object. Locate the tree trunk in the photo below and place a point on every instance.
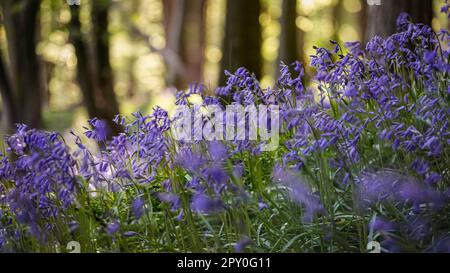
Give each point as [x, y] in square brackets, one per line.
[107, 102]
[363, 22]
[94, 72]
[242, 42]
[381, 19]
[85, 71]
[289, 47]
[9, 111]
[337, 19]
[173, 27]
[22, 24]
[193, 42]
[184, 25]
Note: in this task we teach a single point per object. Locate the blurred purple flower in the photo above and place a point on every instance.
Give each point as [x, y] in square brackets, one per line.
[99, 131]
[130, 233]
[203, 204]
[262, 205]
[300, 192]
[242, 244]
[138, 207]
[217, 151]
[113, 227]
[381, 225]
[170, 198]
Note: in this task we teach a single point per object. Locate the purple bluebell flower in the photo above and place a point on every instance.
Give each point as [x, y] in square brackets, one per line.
[418, 228]
[217, 151]
[392, 186]
[73, 226]
[138, 207]
[300, 192]
[379, 224]
[180, 216]
[190, 160]
[446, 8]
[441, 244]
[130, 233]
[403, 20]
[170, 198]
[262, 205]
[433, 145]
[99, 131]
[242, 244]
[217, 175]
[113, 227]
[204, 204]
[391, 245]
[432, 178]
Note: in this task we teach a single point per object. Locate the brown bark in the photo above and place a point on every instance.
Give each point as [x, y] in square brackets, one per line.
[94, 72]
[363, 22]
[184, 25]
[22, 24]
[9, 111]
[104, 75]
[242, 42]
[193, 41]
[85, 71]
[290, 48]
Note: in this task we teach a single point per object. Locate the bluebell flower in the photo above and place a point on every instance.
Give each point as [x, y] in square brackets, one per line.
[170, 198]
[262, 205]
[138, 207]
[441, 244]
[300, 192]
[113, 227]
[242, 244]
[379, 224]
[203, 204]
[99, 131]
[217, 151]
[130, 233]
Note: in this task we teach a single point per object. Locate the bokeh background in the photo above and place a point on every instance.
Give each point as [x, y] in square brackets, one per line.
[64, 61]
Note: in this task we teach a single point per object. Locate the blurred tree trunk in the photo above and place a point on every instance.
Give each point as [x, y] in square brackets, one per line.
[193, 41]
[94, 72]
[290, 47]
[25, 87]
[173, 25]
[381, 19]
[337, 19]
[9, 115]
[242, 42]
[363, 21]
[184, 25]
[85, 71]
[107, 102]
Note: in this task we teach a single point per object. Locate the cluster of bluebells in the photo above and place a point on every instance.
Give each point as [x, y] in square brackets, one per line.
[39, 179]
[376, 129]
[382, 123]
